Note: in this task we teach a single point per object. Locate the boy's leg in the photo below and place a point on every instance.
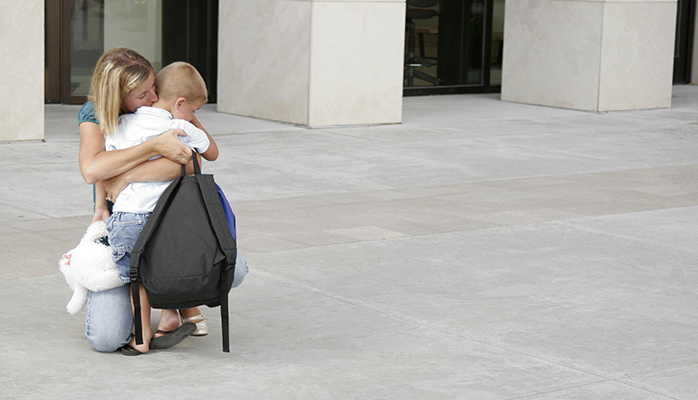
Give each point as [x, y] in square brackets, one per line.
[123, 230]
[169, 321]
[145, 320]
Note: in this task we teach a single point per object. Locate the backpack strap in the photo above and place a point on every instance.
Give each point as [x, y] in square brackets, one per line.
[139, 247]
[217, 217]
[135, 293]
[225, 320]
[227, 243]
[218, 220]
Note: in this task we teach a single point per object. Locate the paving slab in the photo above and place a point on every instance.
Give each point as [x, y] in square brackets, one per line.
[479, 250]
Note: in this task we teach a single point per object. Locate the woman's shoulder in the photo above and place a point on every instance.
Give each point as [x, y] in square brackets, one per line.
[87, 113]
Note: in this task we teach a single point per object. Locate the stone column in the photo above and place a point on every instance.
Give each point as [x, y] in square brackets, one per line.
[596, 55]
[312, 62]
[22, 66]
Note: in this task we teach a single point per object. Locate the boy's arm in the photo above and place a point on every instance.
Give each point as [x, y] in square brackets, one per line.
[211, 154]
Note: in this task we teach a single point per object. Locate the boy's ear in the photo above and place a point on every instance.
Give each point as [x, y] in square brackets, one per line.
[180, 102]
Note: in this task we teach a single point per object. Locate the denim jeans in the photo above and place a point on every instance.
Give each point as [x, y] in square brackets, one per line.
[109, 318]
[123, 229]
[241, 270]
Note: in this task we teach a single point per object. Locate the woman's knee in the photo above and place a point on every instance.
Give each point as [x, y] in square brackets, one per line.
[107, 343]
[241, 270]
[109, 319]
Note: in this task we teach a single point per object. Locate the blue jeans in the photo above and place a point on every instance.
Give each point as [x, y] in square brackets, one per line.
[109, 318]
[123, 229]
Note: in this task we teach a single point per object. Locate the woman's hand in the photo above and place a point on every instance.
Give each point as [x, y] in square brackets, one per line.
[101, 214]
[96, 164]
[169, 146]
[114, 186]
[101, 206]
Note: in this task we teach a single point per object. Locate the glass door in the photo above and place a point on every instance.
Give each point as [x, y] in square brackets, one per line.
[497, 43]
[79, 31]
[52, 46]
[85, 28]
[453, 46]
[685, 16]
[85, 46]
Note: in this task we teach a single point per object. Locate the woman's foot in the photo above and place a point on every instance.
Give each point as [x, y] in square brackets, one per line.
[195, 316]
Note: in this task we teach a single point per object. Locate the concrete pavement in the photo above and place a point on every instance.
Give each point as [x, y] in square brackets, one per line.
[480, 250]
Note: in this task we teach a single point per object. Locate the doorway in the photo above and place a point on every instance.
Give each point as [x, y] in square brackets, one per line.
[683, 45]
[79, 31]
[453, 46]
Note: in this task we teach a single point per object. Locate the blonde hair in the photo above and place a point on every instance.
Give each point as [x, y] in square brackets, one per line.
[181, 79]
[118, 72]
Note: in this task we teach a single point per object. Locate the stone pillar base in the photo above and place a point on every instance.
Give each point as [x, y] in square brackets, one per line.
[602, 55]
[314, 63]
[22, 66]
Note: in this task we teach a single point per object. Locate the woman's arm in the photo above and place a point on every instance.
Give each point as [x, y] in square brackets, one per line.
[101, 205]
[161, 169]
[96, 164]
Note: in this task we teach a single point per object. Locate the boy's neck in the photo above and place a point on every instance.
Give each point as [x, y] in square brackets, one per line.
[164, 104]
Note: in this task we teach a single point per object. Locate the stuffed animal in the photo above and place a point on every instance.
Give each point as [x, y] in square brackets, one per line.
[89, 266]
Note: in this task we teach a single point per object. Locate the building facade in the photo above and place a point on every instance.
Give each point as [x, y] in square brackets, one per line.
[330, 63]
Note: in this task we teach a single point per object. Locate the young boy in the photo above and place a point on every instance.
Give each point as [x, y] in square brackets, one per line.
[181, 92]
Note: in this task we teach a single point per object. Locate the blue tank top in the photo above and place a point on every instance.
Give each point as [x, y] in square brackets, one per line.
[87, 113]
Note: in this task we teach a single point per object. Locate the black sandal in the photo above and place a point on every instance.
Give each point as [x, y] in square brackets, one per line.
[128, 350]
[172, 338]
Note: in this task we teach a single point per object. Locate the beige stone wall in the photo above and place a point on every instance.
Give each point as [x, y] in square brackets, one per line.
[597, 55]
[312, 62]
[22, 66]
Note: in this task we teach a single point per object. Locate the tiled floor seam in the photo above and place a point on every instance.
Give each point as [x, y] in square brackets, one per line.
[412, 321]
[581, 385]
[542, 221]
[635, 239]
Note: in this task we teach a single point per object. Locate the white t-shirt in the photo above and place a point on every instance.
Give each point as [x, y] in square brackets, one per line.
[147, 123]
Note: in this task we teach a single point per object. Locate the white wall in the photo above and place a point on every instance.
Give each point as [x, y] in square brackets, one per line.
[312, 62]
[22, 66]
[598, 55]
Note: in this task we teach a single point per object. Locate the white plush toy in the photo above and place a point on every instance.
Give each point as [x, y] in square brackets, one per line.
[89, 266]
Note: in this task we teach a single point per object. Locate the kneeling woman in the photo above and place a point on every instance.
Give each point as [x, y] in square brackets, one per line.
[124, 80]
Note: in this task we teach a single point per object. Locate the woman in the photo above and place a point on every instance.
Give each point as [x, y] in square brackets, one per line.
[123, 81]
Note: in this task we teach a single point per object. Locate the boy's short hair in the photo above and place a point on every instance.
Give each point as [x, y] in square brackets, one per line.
[181, 79]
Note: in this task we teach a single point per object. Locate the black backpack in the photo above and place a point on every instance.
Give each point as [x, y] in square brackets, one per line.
[185, 255]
